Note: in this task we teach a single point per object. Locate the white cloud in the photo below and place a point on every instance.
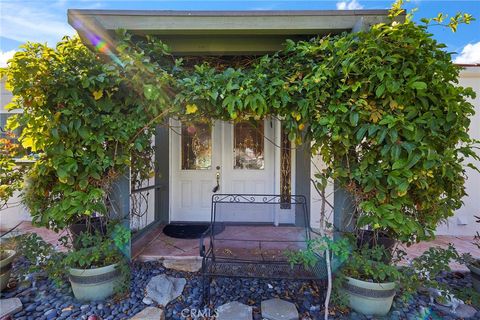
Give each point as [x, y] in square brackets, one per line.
[32, 21]
[469, 55]
[349, 5]
[5, 56]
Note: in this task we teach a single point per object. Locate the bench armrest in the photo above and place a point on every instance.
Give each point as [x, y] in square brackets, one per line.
[203, 249]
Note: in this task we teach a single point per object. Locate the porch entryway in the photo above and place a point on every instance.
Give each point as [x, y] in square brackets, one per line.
[224, 157]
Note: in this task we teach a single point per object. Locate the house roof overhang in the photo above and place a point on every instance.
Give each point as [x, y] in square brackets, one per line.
[221, 32]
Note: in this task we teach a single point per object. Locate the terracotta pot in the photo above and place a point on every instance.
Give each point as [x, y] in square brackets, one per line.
[6, 267]
[369, 298]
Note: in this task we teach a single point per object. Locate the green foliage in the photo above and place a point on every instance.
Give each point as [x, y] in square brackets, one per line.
[368, 264]
[340, 251]
[80, 116]
[382, 108]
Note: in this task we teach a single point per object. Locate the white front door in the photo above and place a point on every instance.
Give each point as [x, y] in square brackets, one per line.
[242, 155]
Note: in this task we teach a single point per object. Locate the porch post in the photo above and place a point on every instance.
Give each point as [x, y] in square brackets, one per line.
[343, 211]
[303, 158]
[120, 203]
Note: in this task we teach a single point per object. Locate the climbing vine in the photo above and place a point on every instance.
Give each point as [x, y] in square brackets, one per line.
[382, 108]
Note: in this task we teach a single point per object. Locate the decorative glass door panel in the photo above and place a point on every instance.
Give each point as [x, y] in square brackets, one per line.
[196, 146]
[248, 145]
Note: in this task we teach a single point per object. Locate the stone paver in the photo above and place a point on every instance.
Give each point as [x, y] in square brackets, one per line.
[187, 265]
[9, 306]
[234, 311]
[278, 309]
[163, 289]
[463, 311]
[149, 313]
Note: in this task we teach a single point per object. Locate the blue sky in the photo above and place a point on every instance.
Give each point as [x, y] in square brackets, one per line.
[46, 21]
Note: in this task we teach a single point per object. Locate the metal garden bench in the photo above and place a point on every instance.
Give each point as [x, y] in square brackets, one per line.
[249, 236]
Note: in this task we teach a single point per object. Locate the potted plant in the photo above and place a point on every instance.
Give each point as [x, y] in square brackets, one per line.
[6, 259]
[368, 282]
[97, 267]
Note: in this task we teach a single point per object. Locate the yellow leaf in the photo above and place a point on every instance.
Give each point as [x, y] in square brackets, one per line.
[191, 108]
[27, 142]
[297, 116]
[57, 116]
[401, 193]
[375, 116]
[98, 94]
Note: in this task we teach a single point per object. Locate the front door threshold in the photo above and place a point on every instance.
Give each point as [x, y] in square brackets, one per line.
[154, 245]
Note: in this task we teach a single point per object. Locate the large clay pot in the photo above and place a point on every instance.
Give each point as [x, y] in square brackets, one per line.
[369, 298]
[475, 271]
[6, 260]
[94, 284]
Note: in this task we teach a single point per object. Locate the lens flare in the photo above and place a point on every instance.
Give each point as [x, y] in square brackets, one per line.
[100, 45]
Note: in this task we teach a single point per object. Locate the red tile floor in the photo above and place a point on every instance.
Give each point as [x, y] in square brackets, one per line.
[155, 245]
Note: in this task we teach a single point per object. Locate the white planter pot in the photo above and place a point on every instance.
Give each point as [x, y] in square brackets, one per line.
[475, 276]
[369, 298]
[94, 284]
[6, 268]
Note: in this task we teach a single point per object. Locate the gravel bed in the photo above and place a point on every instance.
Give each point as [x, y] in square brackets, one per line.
[42, 300]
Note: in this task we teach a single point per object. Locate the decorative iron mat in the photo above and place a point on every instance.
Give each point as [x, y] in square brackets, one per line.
[372, 293]
[96, 278]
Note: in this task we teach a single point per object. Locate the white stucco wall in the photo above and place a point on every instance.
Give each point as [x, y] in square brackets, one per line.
[463, 223]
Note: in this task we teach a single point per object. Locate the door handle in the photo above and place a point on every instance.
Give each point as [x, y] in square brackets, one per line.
[217, 187]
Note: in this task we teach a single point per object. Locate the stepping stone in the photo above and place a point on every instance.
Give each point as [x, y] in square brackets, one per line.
[234, 311]
[278, 309]
[186, 265]
[162, 289]
[149, 313]
[10, 306]
[464, 311]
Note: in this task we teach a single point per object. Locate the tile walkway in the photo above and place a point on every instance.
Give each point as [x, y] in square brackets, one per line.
[156, 246]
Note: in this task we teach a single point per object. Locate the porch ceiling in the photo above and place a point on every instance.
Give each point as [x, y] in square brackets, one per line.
[222, 32]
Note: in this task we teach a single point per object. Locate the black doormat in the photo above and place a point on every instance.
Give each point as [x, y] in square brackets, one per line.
[189, 231]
